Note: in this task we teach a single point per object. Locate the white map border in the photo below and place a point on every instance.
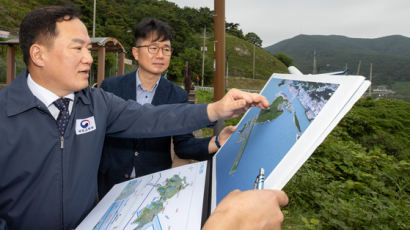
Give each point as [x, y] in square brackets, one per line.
[349, 91]
[194, 218]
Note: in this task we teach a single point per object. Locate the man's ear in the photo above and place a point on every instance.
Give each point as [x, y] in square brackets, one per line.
[135, 53]
[37, 54]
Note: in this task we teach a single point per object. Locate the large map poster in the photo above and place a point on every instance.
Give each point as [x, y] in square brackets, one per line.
[170, 199]
[264, 137]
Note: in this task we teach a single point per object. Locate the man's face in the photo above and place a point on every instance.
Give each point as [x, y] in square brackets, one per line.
[67, 61]
[153, 64]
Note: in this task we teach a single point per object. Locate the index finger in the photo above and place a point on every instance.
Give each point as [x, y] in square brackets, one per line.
[260, 101]
[239, 94]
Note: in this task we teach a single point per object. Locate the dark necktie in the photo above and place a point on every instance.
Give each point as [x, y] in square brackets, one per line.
[62, 119]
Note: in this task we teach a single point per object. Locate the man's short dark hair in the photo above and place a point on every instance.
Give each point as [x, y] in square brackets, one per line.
[149, 25]
[40, 24]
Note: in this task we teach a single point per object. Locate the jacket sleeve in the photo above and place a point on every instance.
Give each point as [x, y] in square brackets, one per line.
[187, 146]
[3, 224]
[104, 85]
[129, 119]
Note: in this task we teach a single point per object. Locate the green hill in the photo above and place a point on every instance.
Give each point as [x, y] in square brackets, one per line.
[239, 55]
[240, 60]
[390, 55]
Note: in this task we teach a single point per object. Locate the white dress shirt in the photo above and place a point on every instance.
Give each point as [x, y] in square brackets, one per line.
[48, 97]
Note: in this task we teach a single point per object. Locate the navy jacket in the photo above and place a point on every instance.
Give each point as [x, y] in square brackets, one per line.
[50, 182]
[148, 155]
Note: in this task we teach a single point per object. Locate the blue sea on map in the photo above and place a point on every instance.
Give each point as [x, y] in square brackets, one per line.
[267, 143]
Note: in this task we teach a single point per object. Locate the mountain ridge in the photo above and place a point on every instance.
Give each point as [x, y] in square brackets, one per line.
[390, 55]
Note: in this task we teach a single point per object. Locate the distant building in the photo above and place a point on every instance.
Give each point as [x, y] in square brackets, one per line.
[382, 91]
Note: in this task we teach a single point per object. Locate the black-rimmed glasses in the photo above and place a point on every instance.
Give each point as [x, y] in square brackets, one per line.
[153, 49]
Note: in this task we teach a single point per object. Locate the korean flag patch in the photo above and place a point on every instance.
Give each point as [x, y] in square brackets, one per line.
[85, 125]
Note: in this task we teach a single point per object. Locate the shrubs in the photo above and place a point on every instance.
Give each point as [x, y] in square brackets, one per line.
[359, 177]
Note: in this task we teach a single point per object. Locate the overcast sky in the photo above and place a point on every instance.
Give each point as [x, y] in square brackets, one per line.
[274, 20]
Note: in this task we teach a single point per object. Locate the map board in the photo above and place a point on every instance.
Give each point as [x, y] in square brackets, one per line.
[303, 111]
[170, 199]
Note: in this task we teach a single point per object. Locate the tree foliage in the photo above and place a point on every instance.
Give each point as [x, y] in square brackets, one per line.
[285, 59]
[254, 39]
[389, 55]
[233, 29]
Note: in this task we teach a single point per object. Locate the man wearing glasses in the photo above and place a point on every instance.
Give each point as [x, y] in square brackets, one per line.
[123, 159]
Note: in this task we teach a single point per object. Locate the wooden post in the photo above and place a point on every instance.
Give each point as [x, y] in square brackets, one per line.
[11, 66]
[121, 68]
[101, 65]
[219, 74]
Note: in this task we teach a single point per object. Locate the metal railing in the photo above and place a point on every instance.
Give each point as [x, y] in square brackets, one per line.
[211, 89]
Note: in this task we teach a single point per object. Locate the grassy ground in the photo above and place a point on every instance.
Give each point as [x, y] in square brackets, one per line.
[240, 56]
[246, 83]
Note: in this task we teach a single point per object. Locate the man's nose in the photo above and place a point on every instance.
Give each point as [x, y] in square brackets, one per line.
[87, 58]
[160, 52]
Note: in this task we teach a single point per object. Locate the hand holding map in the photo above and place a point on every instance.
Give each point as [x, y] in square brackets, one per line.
[260, 209]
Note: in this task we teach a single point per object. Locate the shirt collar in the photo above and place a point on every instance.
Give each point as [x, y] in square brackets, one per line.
[43, 94]
[139, 85]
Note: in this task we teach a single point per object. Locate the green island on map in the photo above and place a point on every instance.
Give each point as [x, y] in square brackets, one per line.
[275, 110]
[172, 187]
[296, 121]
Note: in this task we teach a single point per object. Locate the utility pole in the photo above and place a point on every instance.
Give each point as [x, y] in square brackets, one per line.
[314, 71]
[203, 58]
[253, 63]
[219, 78]
[370, 87]
[358, 67]
[94, 18]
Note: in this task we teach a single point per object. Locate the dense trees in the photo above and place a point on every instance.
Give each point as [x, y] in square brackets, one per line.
[254, 39]
[233, 29]
[285, 59]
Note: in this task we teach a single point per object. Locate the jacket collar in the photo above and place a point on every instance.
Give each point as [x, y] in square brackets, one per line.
[161, 93]
[83, 95]
[128, 89]
[20, 99]
[129, 86]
